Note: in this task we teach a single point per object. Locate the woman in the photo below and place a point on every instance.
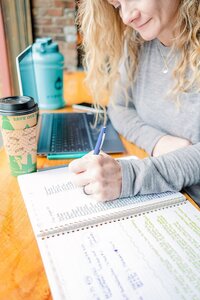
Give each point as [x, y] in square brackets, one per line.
[147, 55]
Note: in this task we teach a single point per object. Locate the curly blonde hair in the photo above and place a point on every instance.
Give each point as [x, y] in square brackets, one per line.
[104, 37]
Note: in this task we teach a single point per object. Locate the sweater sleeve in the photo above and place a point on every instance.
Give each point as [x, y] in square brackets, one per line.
[125, 119]
[169, 172]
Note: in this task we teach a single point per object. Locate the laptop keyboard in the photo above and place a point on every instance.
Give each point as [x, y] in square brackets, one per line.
[73, 138]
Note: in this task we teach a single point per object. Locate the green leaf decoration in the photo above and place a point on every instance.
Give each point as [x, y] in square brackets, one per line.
[6, 123]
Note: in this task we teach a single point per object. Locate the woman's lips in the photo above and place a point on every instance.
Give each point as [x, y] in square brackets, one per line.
[142, 25]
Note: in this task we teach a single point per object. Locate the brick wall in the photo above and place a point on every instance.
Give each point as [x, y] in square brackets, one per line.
[55, 18]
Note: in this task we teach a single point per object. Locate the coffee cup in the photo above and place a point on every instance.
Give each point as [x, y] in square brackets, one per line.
[18, 123]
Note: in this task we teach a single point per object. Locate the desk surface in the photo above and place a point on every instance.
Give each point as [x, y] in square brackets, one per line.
[21, 270]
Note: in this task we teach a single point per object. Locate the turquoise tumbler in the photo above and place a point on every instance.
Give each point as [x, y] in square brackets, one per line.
[48, 66]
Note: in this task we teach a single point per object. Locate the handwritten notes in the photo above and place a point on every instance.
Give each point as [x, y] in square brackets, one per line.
[144, 247]
[151, 256]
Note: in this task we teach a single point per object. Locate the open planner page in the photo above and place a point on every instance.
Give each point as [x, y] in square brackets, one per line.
[150, 256]
[55, 204]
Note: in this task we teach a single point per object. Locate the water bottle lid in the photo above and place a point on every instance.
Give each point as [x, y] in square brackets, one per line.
[45, 45]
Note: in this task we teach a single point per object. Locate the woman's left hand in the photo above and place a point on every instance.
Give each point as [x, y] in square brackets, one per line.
[99, 175]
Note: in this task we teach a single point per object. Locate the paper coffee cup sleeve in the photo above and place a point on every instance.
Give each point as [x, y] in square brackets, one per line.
[20, 142]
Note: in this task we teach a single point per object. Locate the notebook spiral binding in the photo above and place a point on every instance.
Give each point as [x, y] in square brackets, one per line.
[109, 218]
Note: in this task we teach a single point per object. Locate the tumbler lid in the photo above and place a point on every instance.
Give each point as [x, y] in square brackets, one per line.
[17, 105]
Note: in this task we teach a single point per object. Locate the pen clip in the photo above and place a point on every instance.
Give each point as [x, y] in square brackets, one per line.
[103, 138]
[100, 141]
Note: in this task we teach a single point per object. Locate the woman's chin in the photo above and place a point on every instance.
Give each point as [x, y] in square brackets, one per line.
[148, 37]
[150, 31]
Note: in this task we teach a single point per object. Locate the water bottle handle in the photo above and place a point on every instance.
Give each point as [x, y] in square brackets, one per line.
[45, 43]
[42, 47]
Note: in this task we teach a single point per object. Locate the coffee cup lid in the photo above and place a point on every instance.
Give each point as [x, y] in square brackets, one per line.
[17, 105]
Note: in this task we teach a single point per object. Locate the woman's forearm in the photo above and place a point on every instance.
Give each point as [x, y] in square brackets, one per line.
[169, 172]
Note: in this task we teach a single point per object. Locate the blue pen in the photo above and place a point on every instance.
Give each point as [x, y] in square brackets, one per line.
[100, 141]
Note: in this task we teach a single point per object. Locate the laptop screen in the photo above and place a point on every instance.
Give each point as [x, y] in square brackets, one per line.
[26, 74]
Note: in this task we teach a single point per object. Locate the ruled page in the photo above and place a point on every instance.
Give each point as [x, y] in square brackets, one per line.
[54, 204]
[150, 256]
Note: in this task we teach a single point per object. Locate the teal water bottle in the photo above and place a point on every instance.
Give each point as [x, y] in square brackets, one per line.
[48, 65]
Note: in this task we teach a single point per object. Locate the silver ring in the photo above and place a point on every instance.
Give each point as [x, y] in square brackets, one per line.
[85, 191]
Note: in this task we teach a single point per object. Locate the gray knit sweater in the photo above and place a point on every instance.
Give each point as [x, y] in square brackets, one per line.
[148, 117]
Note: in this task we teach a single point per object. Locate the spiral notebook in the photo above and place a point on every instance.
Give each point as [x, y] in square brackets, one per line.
[143, 247]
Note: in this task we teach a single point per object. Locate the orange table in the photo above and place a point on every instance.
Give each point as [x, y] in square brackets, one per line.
[22, 276]
[21, 270]
[75, 90]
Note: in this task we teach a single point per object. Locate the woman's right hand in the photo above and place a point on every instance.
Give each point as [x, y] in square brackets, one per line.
[99, 175]
[169, 143]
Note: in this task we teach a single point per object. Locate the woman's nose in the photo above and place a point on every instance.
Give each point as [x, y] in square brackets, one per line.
[128, 15]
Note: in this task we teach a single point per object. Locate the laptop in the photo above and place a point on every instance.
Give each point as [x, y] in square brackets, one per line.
[64, 135]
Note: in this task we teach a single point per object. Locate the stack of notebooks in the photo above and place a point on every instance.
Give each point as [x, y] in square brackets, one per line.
[143, 247]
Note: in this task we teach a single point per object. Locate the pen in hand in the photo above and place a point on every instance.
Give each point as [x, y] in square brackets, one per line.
[100, 141]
